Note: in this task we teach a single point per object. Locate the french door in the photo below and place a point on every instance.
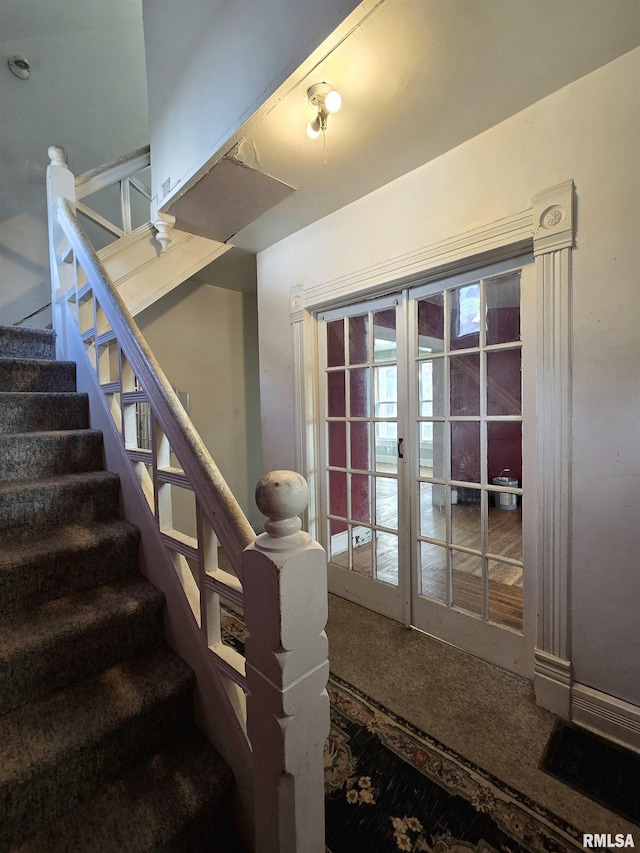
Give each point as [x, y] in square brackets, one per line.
[428, 459]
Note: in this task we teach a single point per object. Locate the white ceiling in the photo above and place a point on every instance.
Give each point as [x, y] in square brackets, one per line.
[419, 77]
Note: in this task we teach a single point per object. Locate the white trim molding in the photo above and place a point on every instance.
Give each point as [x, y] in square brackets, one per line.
[552, 682]
[496, 241]
[552, 242]
[546, 229]
[605, 715]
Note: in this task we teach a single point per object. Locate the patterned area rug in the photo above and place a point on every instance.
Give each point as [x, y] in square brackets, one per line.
[390, 787]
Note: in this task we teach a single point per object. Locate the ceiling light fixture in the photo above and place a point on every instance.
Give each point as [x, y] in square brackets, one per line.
[323, 98]
[20, 67]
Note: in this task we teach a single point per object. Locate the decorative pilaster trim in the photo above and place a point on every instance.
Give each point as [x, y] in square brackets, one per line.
[296, 307]
[553, 265]
[553, 219]
[552, 683]
[606, 715]
[304, 400]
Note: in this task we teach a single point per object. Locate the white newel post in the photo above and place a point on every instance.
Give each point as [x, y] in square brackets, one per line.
[285, 605]
[61, 183]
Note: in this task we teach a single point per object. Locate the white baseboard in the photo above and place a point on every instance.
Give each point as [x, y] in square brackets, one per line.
[552, 683]
[340, 541]
[605, 715]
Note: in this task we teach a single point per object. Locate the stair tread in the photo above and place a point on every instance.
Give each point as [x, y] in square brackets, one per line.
[146, 807]
[38, 735]
[40, 395]
[18, 340]
[74, 614]
[42, 483]
[36, 362]
[28, 546]
[50, 433]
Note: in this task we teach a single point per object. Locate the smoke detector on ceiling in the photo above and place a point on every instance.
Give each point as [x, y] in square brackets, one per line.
[20, 67]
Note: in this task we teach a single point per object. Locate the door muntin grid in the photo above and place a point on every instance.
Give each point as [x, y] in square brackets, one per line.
[467, 384]
[361, 439]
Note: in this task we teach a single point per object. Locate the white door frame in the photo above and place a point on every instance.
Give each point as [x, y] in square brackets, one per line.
[547, 230]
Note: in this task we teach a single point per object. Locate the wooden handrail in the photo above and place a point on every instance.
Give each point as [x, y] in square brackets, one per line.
[218, 502]
[111, 173]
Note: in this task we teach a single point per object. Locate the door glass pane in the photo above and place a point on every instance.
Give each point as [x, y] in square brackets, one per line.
[465, 451]
[503, 309]
[431, 387]
[465, 384]
[360, 498]
[433, 522]
[386, 446]
[338, 493]
[504, 379]
[505, 528]
[466, 518]
[338, 444]
[504, 450]
[360, 445]
[358, 339]
[336, 405]
[433, 571]
[385, 347]
[467, 581]
[335, 343]
[465, 317]
[387, 557]
[362, 550]
[387, 502]
[386, 391]
[431, 450]
[505, 595]
[431, 324]
[359, 388]
[339, 543]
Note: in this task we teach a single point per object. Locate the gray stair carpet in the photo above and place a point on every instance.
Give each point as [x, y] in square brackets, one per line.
[98, 750]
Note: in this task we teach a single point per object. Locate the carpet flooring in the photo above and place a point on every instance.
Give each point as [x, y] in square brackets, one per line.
[391, 786]
[485, 714]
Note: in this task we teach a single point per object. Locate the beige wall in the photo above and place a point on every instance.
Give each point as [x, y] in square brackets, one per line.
[205, 339]
[588, 131]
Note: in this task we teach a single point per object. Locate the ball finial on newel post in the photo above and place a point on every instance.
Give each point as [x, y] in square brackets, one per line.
[58, 155]
[282, 496]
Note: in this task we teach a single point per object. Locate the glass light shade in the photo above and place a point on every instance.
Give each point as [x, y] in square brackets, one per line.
[332, 101]
[313, 128]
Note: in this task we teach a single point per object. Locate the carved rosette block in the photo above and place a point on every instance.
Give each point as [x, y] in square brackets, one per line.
[285, 606]
[553, 219]
[164, 224]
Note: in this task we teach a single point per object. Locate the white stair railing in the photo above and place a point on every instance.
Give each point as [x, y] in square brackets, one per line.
[123, 172]
[279, 578]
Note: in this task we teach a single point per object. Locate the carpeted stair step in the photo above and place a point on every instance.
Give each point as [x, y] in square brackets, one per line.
[69, 639]
[176, 800]
[62, 748]
[37, 567]
[40, 411]
[18, 342]
[28, 455]
[91, 496]
[22, 374]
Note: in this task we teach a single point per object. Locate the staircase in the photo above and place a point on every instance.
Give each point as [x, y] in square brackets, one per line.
[98, 750]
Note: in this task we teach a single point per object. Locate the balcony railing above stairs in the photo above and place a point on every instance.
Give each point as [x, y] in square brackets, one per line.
[276, 690]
